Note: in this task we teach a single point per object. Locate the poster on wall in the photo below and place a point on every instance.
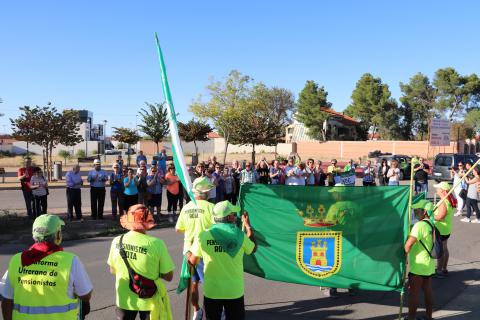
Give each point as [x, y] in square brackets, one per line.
[440, 132]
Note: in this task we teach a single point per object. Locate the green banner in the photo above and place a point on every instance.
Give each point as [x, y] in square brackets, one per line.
[342, 237]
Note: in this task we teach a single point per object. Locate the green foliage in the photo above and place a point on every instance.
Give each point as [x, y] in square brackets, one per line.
[47, 127]
[194, 131]
[456, 92]
[264, 117]
[65, 155]
[126, 135]
[80, 153]
[226, 99]
[472, 119]
[155, 122]
[94, 152]
[370, 103]
[310, 100]
[120, 145]
[418, 100]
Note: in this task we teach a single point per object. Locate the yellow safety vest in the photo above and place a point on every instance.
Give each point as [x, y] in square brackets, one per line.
[40, 289]
[445, 225]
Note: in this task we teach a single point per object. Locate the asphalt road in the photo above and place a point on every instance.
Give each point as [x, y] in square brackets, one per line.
[455, 297]
[275, 300]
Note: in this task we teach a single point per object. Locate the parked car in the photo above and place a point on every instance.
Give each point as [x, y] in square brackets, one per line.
[404, 163]
[112, 151]
[444, 161]
[130, 151]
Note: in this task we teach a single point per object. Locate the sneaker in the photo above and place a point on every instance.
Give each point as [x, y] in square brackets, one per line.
[438, 275]
[457, 214]
[475, 221]
[465, 219]
[198, 315]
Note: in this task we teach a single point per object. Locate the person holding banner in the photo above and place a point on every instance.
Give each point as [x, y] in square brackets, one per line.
[222, 248]
[195, 217]
[443, 222]
[422, 266]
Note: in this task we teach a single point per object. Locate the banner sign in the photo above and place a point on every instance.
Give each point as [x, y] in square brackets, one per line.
[347, 179]
[440, 132]
[338, 237]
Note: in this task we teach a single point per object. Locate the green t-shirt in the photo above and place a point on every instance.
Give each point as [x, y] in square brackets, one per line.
[445, 225]
[223, 274]
[194, 219]
[420, 261]
[148, 256]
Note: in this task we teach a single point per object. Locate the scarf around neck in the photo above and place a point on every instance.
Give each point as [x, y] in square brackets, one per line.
[38, 251]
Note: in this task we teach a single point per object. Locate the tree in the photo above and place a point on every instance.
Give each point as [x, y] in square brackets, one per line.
[47, 127]
[155, 122]
[264, 117]
[227, 98]
[1, 114]
[128, 136]
[418, 100]
[370, 99]
[310, 100]
[455, 92]
[65, 155]
[472, 120]
[194, 131]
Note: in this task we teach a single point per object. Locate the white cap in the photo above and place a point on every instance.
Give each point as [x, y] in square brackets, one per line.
[96, 161]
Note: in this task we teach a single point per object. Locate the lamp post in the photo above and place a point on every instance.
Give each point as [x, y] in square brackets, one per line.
[105, 140]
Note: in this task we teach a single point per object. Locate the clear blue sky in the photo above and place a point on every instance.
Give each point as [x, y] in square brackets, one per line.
[100, 55]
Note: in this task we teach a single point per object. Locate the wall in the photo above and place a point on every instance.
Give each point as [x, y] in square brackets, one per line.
[88, 146]
[355, 149]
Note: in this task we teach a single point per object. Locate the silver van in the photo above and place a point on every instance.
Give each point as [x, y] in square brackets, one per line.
[444, 161]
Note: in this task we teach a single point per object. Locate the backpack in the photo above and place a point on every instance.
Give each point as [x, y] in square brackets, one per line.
[437, 248]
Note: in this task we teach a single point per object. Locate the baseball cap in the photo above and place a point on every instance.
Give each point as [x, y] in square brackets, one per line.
[442, 185]
[225, 208]
[45, 225]
[96, 161]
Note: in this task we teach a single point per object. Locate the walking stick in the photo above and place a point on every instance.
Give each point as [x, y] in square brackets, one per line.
[189, 292]
[409, 213]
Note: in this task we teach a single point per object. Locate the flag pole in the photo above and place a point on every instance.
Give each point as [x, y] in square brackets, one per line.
[189, 293]
[409, 213]
[456, 185]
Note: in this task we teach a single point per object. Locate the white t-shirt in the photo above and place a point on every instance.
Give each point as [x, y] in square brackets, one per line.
[393, 177]
[79, 283]
[38, 181]
[295, 180]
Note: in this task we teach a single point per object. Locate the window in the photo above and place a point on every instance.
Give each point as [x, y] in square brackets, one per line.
[443, 161]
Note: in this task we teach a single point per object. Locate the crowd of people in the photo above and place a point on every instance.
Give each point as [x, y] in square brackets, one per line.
[214, 244]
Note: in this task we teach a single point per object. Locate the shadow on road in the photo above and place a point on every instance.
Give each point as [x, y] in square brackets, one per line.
[445, 290]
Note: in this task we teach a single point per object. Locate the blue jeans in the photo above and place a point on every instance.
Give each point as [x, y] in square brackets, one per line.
[421, 187]
[198, 272]
[27, 195]
[393, 183]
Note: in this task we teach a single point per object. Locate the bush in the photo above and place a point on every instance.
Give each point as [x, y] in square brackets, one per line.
[94, 151]
[120, 145]
[80, 153]
[281, 158]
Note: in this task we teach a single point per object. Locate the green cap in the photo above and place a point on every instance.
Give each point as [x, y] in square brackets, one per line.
[225, 208]
[423, 204]
[45, 225]
[442, 185]
[202, 185]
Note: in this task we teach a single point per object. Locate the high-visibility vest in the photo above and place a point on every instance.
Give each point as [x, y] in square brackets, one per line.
[40, 290]
[445, 225]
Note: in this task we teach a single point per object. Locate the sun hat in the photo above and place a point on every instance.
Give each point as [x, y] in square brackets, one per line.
[137, 218]
[202, 185]
[442, 185]
[45, 225]
[96, 161]
[225, 208]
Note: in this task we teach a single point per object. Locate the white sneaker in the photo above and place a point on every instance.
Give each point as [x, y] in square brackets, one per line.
[465, 219]
[475, 221]
[198, 315]
[457, 214]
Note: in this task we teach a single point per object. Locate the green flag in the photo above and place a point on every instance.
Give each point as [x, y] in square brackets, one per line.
[342, 237]
[178, 158]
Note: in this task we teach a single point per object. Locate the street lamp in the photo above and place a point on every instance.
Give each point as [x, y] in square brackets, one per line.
[105, 140]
